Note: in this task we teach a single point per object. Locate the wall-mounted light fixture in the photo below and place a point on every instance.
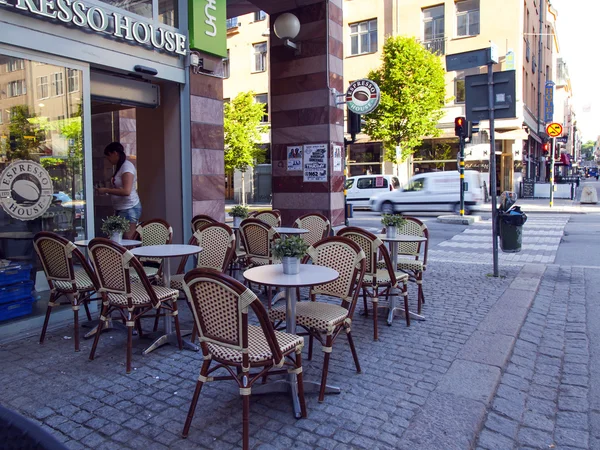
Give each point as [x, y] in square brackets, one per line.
[287, 27]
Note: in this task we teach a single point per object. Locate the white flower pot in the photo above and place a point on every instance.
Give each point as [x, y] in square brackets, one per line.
[237, 221]
[291, 265]
[390, 232]
[117, 237]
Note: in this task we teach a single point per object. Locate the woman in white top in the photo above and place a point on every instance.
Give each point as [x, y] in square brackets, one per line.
[123, 194]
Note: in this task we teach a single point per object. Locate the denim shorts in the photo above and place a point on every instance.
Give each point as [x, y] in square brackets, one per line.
[132, 214]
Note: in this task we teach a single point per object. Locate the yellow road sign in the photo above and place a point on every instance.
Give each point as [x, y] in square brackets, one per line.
[554, 129]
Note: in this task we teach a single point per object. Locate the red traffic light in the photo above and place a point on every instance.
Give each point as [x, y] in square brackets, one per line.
[546, 147]
[460, 127]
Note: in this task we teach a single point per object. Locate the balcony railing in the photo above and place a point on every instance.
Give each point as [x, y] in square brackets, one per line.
[436, 46]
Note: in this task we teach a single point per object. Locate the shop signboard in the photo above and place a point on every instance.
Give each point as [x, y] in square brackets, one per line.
[114, 24]
[549, 102]
[362, 96]
[25, 190]
[207, 25]
[315, 162]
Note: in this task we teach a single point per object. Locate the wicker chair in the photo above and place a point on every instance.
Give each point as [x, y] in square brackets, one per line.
[325, 321]
[318, 227]
[220, 307]
[410, 252]
[257, 237]
[153, 232]
[272, 217]
[132, 300]
[66, 282]
[201, 220]
[376, 277]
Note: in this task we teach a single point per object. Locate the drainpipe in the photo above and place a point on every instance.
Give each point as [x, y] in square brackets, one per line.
[539, 80]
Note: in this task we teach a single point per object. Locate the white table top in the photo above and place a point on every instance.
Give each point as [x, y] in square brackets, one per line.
[124, 243]
[291, 230]
[402, 238]
[166, 250]
[272, 275]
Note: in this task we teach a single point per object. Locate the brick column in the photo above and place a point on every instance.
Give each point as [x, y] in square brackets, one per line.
[304, 111]
[208, 170]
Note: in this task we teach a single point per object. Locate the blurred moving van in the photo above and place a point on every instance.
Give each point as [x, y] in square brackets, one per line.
[360, 189]
[433, 191]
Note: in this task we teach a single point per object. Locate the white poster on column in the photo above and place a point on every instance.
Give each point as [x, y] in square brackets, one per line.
[315, 162]
[294, 158]
[337, 158]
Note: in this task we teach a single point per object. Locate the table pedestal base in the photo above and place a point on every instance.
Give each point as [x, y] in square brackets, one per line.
[110, 324]
[397, 308]
[160, 339]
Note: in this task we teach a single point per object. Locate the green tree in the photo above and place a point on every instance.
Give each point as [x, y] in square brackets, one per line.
[24, 136]
[587, 151]
[412, 84]
[242, 127]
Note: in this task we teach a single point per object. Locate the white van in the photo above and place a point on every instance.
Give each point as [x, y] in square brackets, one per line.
[360, 189]
[433, 191]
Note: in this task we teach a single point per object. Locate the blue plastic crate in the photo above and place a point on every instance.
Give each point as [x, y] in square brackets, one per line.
[16, 309]
[14, 273]
[17, 291]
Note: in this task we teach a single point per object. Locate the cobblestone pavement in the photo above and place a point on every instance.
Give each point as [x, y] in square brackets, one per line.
[94, 404]
[541, 238]
[543, 400]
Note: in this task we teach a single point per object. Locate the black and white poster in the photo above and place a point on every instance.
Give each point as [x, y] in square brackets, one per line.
[315, 162]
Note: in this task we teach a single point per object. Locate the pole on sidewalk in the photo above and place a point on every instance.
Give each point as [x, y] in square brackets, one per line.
[461, 170]
[552, 145]
[490, 69]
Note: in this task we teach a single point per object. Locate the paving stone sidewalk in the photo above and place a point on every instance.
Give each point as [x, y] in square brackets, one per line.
[94, 404]
[542, 401]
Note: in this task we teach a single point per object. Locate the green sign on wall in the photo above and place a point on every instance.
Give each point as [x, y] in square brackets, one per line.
[208, 31]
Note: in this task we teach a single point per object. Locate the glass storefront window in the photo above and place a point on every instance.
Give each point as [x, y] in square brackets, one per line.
[41, 162]
[167, 9]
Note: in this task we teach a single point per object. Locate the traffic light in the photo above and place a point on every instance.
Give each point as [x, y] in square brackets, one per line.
[545, 148]
[354, 124]
[460, 127]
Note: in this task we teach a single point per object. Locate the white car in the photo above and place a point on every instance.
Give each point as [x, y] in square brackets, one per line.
[360, 189]
[433, 191]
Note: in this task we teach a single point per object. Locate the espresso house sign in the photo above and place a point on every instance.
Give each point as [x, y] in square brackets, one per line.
[95, 18]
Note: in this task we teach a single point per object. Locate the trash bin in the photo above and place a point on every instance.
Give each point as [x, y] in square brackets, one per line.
[510, 229]
[349, 211]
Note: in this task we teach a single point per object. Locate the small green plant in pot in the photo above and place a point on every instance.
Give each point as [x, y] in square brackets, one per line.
[392, 222]
[289, 250]
[114, 227]
[239, 213]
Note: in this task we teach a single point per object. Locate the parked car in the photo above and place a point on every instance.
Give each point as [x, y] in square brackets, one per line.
[360, 189]
[433, 191]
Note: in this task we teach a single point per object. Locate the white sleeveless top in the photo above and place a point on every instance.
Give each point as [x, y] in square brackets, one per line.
[119, 202]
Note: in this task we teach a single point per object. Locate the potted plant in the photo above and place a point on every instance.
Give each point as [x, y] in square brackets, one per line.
[289, 250]
[114, 227]
[238, 212]
[391, 223]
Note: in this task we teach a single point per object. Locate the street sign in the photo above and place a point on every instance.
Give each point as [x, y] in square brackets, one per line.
[554, 129]
[494, 53]
[549, 102]
[467, 60]
[562, 139]
[477, 96]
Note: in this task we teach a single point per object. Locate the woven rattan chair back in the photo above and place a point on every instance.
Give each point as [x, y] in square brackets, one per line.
[220, 306]
[154, 232]
[113, 264]
[200, 220]
[318, 227]
[218, 246]
[56, 255]
[257, 237]
[272, 218]
[348, 259]
[412, 227]
[368, 242]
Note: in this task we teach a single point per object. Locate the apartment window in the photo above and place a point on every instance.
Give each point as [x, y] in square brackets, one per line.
[226, 68]
[1, 116]
[264, 99]
[467, 18]
[363, 37]
[16, 88]
[42, 87]
[527, 50]
[260, 15]
[15, 64]
[433, 23]
[260, 57]
[549, 37]
[58, 87]
[232, 23]
[72, 80]
[548, 73]
[459, 90]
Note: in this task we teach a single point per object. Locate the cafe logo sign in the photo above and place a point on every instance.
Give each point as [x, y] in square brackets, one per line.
[95, 18]
[25, 190]
[362, 96]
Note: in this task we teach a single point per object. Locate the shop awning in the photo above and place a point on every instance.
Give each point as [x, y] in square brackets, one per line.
[565, 159]
[512, 135]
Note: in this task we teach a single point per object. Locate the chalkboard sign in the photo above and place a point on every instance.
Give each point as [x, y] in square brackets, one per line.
[527, 188]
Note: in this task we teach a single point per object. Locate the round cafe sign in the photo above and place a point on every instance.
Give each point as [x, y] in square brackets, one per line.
[362, 96]
[25, 190]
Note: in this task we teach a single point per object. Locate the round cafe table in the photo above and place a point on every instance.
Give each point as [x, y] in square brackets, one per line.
[288, 231]
[127, 243]
[310, 275]
[393, 244]
[166, 252]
